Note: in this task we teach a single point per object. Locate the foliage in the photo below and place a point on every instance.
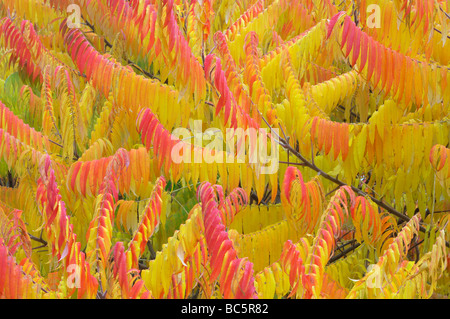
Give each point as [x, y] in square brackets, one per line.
[94, 205]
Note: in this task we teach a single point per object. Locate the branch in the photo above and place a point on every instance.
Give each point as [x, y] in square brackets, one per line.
[439, 31]
[344, 253]
[338, 182]
[151, 249]
[148, 74]
[108, 44]
[39, 240]
[446, 14]
[291, 163]
[358, 191]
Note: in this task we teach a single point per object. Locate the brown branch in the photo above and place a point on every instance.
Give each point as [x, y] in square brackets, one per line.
[442, 211]
[344, 253]
[311, 165]
[39, 240]
[336, 181]
[358, 191]
[131, 63]
[332, 191]
[416, 244]
[151, 249]
[148, 74]
[291, 163]
[446, 14]
[438, 31]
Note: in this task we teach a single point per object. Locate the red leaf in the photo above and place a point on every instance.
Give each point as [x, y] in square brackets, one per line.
[356, 46]
[345, 31]
[336, 139]
[332, 22]
[390, 72]
[379, 61]
[372, 59]
[364, 47]
[350, 38]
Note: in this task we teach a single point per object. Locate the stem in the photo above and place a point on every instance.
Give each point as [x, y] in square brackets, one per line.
[291, 163]
[438, 31]
[151, 249]
[39, 240]
[343, 253]
[446, 14]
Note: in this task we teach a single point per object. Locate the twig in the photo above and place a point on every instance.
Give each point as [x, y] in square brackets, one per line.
[88, 24]
[213, 48]
[33, 281]
[151, 249]
[332, 191]
[131, 63]
[39, 240]
[442, 211]
[343, 253]
[336, 181]
[38, 247]
[416, 248]
[253, 197]
[291, 163]
[345, 234]
[439, 31]
[137, 67]
[446, 14]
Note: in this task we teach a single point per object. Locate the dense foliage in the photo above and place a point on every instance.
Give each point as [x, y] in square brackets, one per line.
[353, 98]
